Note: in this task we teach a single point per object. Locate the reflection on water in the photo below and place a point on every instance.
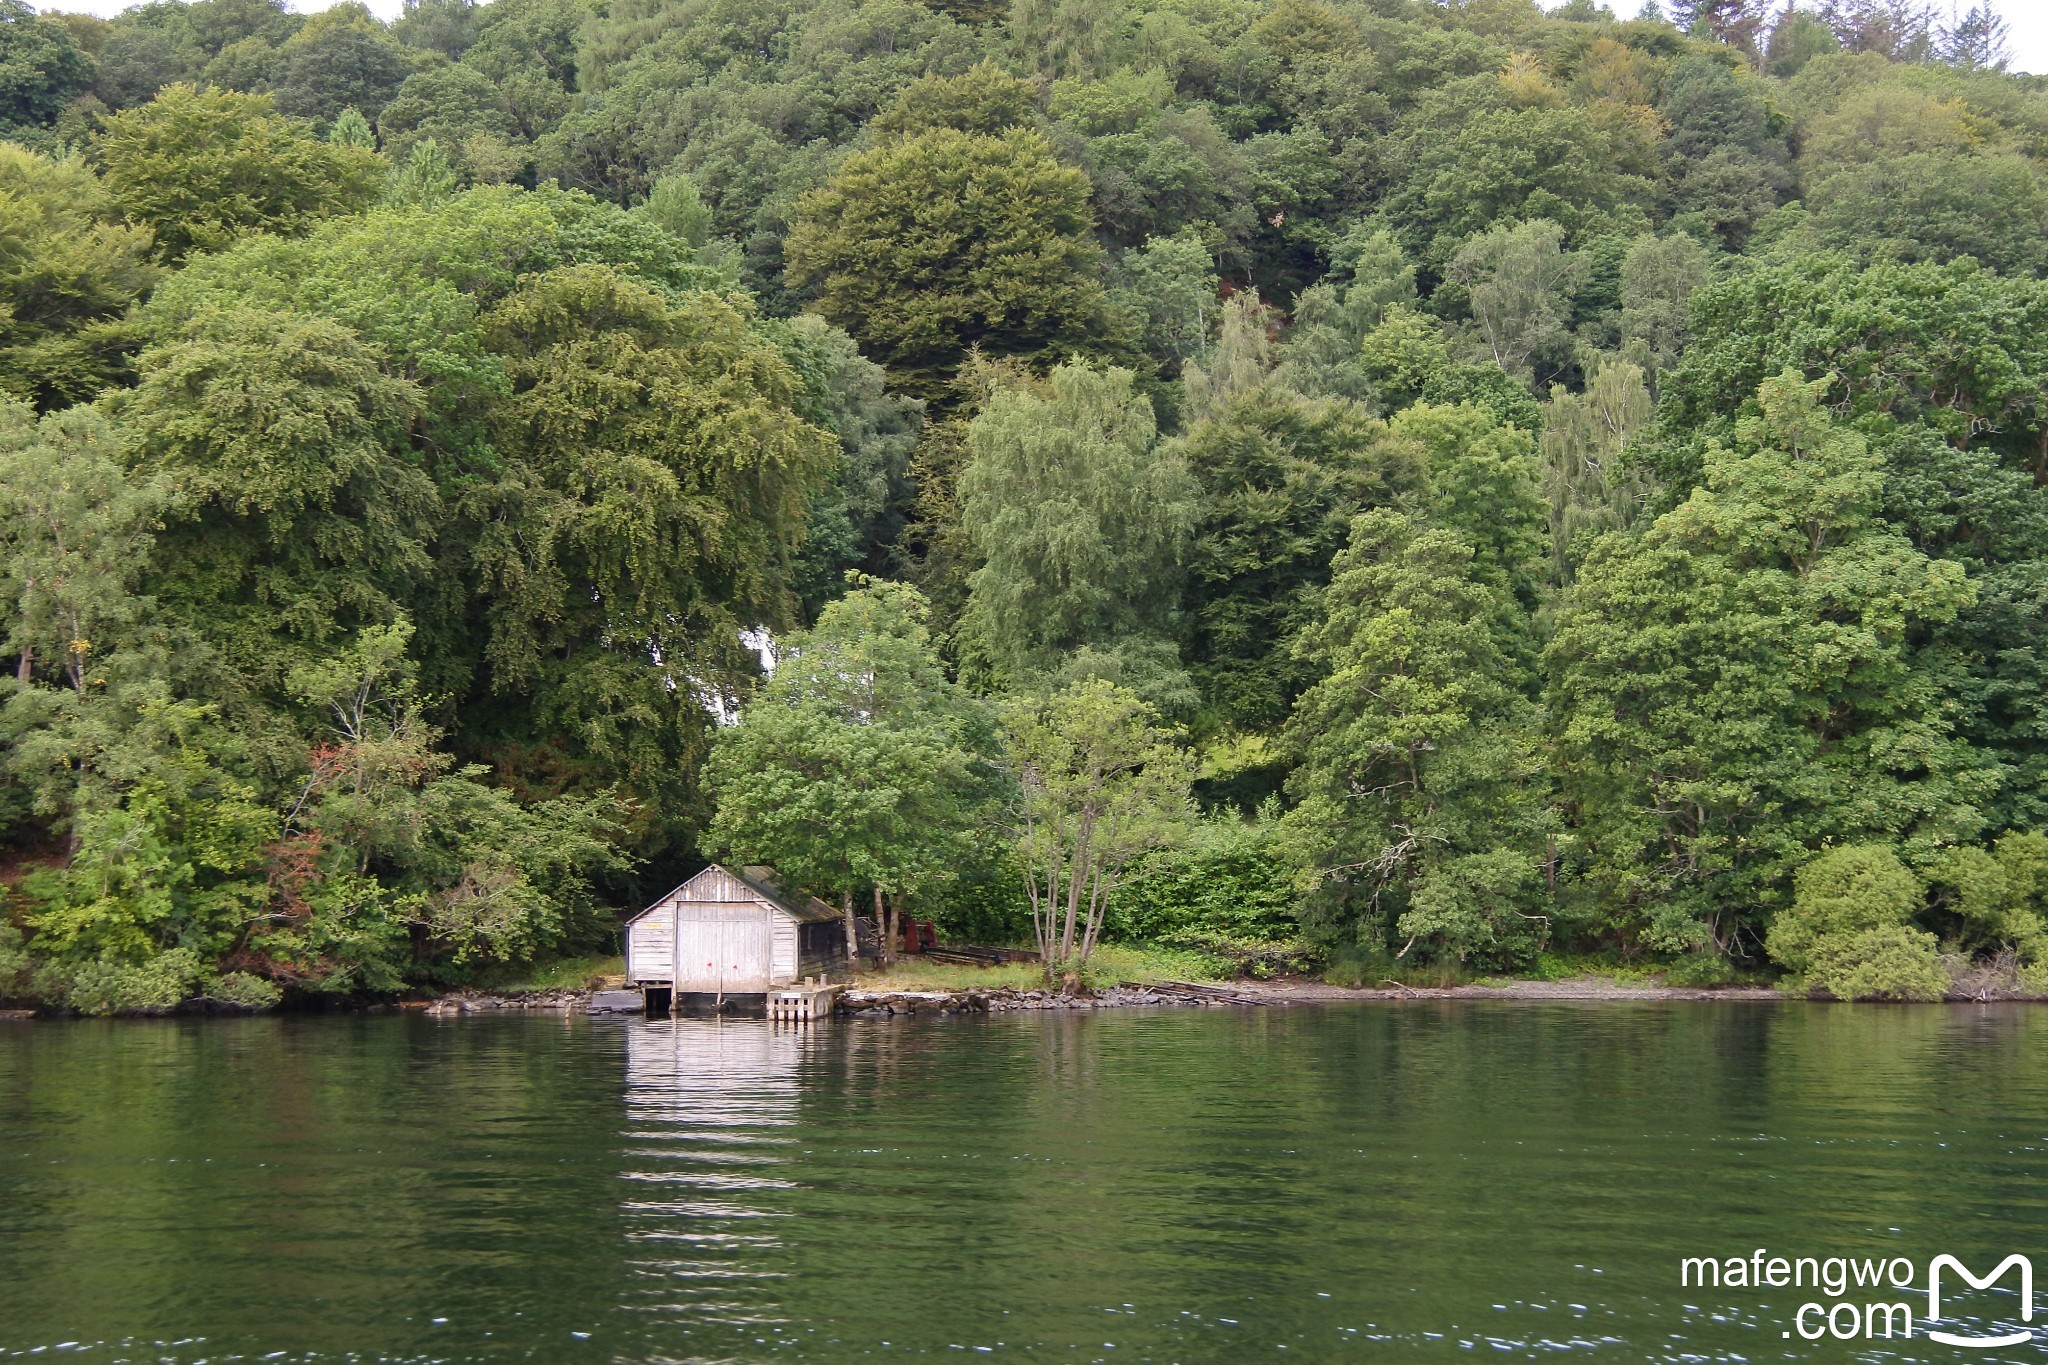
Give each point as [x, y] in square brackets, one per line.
[1209, 1187]
[710, 1109]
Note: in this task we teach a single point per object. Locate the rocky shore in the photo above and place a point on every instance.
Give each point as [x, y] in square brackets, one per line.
[871, 1003]
[1005, 999]
[481, 1002]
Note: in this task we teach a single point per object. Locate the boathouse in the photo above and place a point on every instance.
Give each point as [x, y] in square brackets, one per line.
[732, 933]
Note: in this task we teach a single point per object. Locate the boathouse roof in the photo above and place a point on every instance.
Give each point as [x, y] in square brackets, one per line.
[754, 882]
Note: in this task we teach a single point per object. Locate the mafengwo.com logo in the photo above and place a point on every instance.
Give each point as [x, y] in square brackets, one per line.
[1866, 1299]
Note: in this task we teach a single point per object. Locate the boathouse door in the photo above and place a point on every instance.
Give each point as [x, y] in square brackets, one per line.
[745, 940]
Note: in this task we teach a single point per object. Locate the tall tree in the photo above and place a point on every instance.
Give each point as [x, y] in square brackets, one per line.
[939, 241]
[1081, 518]
[292, 517]
[198, 167]
[1281, 479]
[652, 502]
[858, 768]
[1519, 284]
[1737, 683]
[1418, 812]
[69, 268]
[41, 68]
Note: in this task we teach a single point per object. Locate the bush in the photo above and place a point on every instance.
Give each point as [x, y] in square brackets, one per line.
[1228, 882]
[1840, 894]
[1890, 963]
[241, 991]
[984, 904]
[16, 967]
[1702, 969]
[1254, 957]
[153, 986]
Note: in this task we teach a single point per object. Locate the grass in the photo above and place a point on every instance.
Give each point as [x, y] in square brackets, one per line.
[1111, 963]
[563, 974]
[1684, 971]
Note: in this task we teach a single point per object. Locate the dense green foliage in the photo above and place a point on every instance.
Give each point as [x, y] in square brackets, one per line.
[1412, 483]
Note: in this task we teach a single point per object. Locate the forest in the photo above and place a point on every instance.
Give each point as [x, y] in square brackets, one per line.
[1366, 486]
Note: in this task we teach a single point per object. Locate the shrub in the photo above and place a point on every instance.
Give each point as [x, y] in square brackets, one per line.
[241, 991]
[153, 986]
[16, 967]
[1849, 928]
[1895, 962]
[1229, 881]
[1702, 969]
[1841, 893]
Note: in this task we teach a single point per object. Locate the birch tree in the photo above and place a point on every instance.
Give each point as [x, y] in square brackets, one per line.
[1101, 783]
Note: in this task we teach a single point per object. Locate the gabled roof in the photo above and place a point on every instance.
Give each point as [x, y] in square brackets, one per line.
[766, 883]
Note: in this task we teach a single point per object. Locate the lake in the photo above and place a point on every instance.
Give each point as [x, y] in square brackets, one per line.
[1333, 1183]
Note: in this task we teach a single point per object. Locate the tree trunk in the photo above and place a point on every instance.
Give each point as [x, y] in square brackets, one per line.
[25, 671]
[884, 931]
[852, 934]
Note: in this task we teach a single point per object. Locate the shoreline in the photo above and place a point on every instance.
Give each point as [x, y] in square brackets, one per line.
[867, 1002]
[860, 1002]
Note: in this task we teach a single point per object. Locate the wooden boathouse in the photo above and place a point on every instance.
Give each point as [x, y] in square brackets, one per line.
[724, 933]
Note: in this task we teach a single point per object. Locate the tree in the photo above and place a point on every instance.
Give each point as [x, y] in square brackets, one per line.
[341, 58]
[551, 409]
[1658, 278]
[1080, 516]
[41, 68]
[77, 535]
[1975, 39]
[1242, 359]
[1586, 481]
[1281, 479]
[1511, 165]
[1415, 753]
[1736, 683]
[930, 244]
[1736, 22]
[1935, 206]
[351, 129]
[1483, 482]
[1170, 284]
[858, 767]
[1101, 784]
[68, 270]
[1900, 29]
[1796, 39]
[199, 167]
[1519, 283]
[653, 496]
[1998, 892]
[1321, 351]
[291, 518]
[465, 112]
[425, 176]
[677, 205]
[444, 26]
[982, 99]
[1951, 346]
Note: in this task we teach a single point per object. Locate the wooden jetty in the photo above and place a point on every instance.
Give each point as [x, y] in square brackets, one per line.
[802, 1004]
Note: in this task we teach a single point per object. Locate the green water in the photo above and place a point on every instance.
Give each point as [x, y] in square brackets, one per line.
[1327, 1184]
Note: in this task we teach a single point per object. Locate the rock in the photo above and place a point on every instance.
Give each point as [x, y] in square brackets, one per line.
[615, 1002]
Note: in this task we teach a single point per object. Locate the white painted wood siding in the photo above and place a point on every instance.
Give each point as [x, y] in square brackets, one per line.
[714, 933]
